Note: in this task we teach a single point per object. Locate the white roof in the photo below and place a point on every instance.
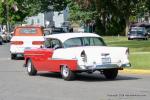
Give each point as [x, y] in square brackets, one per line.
[65, 36]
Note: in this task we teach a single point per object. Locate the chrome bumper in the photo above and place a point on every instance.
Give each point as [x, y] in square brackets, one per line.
[104, 66]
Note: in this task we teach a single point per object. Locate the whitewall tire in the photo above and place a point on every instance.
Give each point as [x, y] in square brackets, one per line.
[30, 68]
[66, 73]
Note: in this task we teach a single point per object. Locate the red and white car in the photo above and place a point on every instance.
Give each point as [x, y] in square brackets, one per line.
[26, 37]
[70, 53]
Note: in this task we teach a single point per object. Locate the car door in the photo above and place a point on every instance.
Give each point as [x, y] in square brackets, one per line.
[52, 64]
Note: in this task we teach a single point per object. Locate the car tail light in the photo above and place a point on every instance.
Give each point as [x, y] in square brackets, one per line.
[17, 42]
[37, 42]
[84, 57]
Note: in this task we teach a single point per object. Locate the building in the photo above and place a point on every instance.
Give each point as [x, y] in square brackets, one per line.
[60, 17]
[42, 19]
[49, 19]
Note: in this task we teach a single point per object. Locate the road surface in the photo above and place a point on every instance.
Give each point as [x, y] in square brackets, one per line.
[15, 84]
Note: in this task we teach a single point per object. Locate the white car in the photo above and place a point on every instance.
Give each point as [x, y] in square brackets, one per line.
[25, 37]
[70, 53]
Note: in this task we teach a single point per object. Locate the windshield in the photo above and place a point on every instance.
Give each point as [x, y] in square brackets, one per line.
[84, 41]
[137, 28]
[28, 31]
[137, 32]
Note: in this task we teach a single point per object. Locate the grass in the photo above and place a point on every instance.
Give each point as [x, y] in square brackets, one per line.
[139, 50]
[140, 61]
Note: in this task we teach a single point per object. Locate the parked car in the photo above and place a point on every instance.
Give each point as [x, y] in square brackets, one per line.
[148, 31]
[6, 37]
[57, 30]
[138, 33]
[1, 40]
[67, 26]
[143, 24]
[25, 37]
[47, 31]
[75, 53]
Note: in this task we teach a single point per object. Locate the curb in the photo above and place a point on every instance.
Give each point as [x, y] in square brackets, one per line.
[135, 71]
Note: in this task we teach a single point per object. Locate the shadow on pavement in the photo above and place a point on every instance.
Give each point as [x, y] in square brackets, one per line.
[89, 77]
[50, 75]
[18, 58]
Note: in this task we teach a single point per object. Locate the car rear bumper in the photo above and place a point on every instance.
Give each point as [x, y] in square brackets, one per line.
[21, 49]
[104, 66]
[137, 37]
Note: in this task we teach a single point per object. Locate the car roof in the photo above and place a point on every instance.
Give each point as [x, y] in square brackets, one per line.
[65, 36]
[29, 26]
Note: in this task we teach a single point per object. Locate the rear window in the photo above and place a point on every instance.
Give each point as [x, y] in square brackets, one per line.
[33, 31]
[28, 31]
[84, 41]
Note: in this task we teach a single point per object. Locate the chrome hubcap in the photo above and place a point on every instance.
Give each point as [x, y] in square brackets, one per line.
[29, 66]
[65, 71]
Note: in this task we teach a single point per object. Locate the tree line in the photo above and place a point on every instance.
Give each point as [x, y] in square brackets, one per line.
[111, 17]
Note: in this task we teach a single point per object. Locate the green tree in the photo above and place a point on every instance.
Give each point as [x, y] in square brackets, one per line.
[28, 8]
[113, 16]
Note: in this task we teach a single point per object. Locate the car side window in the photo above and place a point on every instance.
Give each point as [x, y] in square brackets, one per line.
[74, 42]
[93, 41]
[52, 43]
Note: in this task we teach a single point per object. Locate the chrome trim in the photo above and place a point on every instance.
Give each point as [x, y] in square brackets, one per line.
[104, 66]
[61, 59]
[34, 54]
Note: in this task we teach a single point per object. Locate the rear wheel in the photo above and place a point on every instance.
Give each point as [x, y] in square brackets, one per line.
[30, 68]
[66, 73]
[13, 56]
[110, 73]
[146, 38]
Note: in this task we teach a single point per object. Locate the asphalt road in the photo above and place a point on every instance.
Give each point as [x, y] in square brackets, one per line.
[15, 84]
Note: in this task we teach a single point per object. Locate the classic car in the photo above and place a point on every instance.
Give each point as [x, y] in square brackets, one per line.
[1, 39]
[25, 37]
[138, 33]
[70, 53]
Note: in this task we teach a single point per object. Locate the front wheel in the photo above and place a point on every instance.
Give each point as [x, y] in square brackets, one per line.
[30, 68]
[110, 73]
[66, 73]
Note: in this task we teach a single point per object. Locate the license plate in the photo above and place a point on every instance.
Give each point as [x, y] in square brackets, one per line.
[26, 48]
[106, 60]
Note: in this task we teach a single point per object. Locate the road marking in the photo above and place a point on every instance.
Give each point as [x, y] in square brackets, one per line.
[136, 71]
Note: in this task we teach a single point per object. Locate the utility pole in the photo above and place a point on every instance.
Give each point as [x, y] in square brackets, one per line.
[7, 15]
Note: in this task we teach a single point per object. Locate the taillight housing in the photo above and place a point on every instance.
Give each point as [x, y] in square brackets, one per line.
[127, 53]
[37, 42]
[84, 57]
[17, 42]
